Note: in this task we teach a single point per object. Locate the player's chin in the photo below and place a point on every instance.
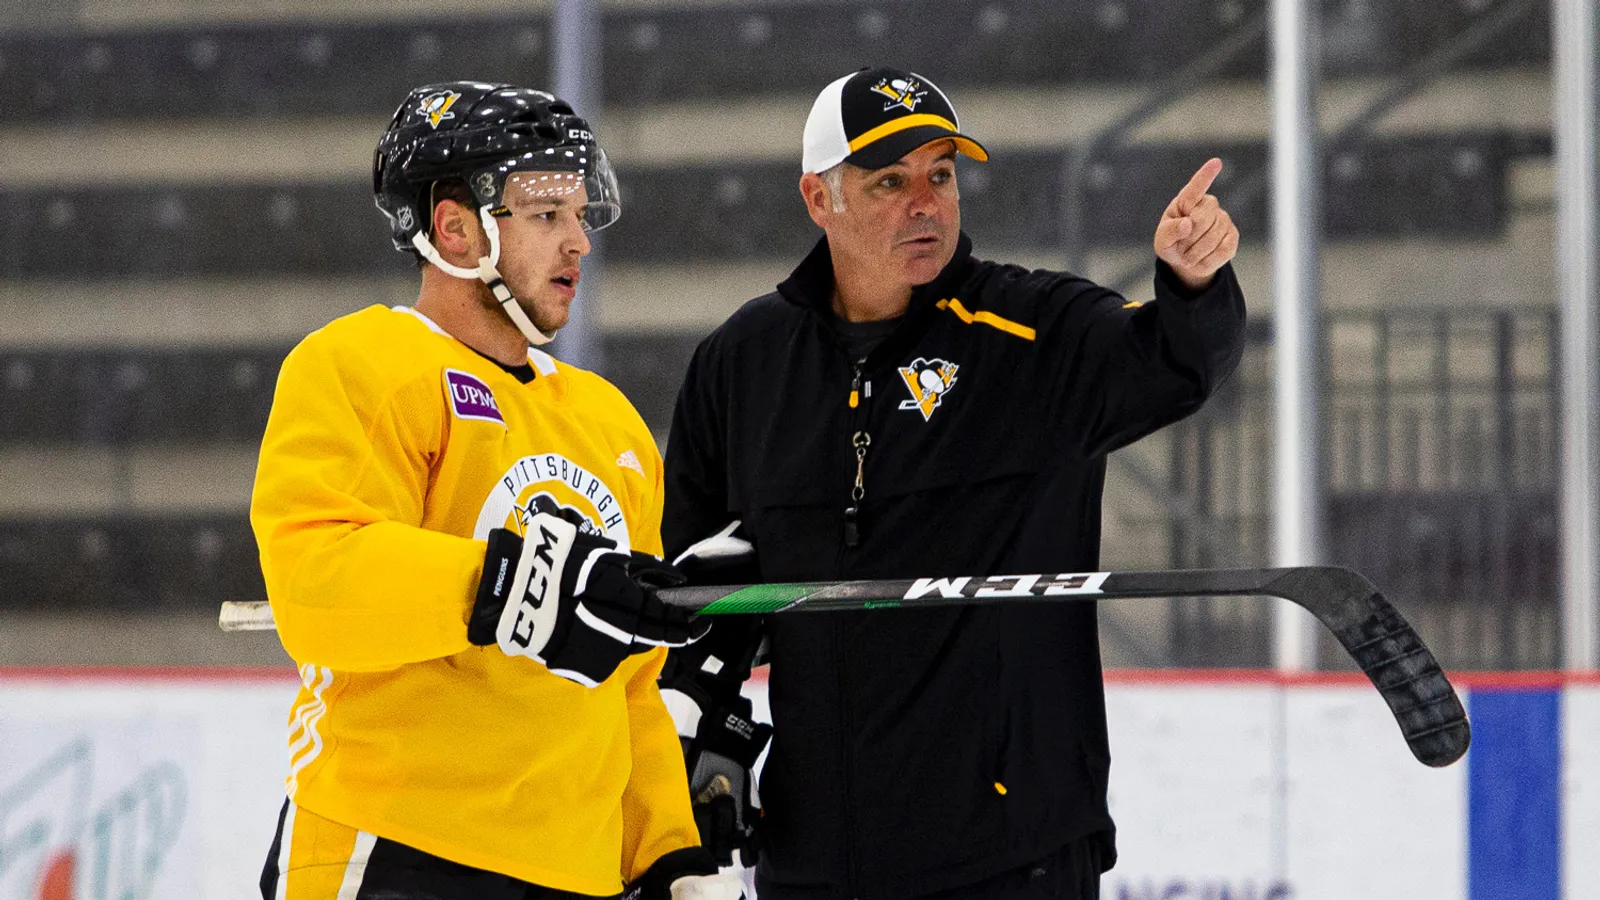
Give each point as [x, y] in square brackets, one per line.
[551, 314]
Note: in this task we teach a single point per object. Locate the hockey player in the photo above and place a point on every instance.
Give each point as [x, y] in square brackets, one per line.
[459, 536]
[901, 408]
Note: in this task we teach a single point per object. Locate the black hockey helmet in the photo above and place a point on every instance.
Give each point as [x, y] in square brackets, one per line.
[479, 134]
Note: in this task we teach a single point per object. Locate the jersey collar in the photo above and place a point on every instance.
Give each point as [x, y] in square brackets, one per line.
[542, 362]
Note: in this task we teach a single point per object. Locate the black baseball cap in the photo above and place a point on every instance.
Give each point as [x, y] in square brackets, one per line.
[873, 117]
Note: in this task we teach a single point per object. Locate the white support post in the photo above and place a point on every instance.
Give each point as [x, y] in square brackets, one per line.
[1573, 70]
[575, 49]
[1296, 223]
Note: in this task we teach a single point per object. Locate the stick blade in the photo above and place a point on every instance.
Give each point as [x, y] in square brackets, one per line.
[1401, 667]
[1391, 654]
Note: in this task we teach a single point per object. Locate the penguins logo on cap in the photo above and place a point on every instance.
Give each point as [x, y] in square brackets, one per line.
[906, 92]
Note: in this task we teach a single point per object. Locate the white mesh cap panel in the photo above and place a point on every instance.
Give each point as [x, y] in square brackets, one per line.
[825, 143]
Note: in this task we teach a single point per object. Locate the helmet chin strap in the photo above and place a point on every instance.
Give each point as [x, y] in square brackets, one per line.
[489, 275]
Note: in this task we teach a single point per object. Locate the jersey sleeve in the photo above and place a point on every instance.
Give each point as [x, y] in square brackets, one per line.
[656, 815]
[354, 581]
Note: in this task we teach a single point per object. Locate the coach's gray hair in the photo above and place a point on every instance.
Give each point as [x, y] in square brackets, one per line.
[834, 179]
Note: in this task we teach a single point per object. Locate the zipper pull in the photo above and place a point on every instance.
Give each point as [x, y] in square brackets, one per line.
[855, 387]
[852, 513]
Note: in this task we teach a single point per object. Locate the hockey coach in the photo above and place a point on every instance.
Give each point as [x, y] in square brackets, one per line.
[900, 407]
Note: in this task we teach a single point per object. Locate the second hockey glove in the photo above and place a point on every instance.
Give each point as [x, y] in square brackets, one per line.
[573, 602]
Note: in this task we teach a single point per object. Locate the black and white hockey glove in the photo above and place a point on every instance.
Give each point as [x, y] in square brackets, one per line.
[721, 759]
[721, 754]
[573, 602]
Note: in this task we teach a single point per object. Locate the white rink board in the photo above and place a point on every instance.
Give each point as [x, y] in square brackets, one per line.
[1193, 789]
[1227, 785]
[1581, 791]
[154, 788]
[1365, 819]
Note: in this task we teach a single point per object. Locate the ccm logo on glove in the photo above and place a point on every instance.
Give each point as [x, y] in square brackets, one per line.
[575, 602]
[535, 588]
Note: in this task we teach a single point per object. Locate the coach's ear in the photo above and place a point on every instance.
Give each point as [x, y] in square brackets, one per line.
[819, 199]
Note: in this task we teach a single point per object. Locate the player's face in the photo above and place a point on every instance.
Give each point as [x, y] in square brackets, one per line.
[543, 242]
[900, 223]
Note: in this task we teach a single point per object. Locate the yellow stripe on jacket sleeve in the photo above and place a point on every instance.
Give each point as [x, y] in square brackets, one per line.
[984, 317]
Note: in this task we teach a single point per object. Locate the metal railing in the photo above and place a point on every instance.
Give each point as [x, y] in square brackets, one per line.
[1442, 470]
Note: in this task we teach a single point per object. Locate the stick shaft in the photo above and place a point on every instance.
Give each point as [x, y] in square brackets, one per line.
[256, 615]
[1368, 627]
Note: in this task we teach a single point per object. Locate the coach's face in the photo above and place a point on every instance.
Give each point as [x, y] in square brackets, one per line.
[900, 223]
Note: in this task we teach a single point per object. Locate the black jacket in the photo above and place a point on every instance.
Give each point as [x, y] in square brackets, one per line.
[895, 730]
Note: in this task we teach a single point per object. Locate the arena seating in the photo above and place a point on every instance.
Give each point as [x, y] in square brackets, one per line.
[208, 397]
[1429, 185]
[294, 70]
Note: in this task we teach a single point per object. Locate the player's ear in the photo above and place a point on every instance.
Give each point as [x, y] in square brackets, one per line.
[457, 234]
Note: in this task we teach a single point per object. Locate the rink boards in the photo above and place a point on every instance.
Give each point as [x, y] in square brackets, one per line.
[1225, 786]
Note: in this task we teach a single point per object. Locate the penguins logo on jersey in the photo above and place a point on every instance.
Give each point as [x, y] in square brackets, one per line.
[552, 483]
[437, 106]
[902, 92]
[544, 503]
[928, 380]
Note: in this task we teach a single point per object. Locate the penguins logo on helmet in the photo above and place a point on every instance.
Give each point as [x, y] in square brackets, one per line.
[928, 380]
[437, 106]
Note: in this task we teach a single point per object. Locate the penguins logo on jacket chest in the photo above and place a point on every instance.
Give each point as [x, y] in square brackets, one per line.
[928, 380]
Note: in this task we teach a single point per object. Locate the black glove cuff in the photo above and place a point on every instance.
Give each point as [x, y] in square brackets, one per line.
[494, 587]
[656, 882]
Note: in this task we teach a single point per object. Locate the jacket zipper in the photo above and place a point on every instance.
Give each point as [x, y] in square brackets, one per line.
[860, 439]
[859, 442]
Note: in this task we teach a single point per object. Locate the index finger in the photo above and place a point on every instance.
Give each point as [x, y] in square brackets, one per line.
[1199, 183]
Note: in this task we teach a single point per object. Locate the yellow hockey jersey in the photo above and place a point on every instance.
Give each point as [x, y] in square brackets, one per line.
[391, 451]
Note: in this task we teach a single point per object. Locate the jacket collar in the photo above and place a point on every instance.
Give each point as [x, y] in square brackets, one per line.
[811, 283]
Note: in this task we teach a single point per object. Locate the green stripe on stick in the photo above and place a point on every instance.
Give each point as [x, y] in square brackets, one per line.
[758, 598]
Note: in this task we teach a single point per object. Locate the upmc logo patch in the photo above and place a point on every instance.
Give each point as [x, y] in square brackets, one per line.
[471, 398]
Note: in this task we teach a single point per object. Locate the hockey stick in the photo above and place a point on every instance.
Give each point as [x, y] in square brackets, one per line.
[1376, 636]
